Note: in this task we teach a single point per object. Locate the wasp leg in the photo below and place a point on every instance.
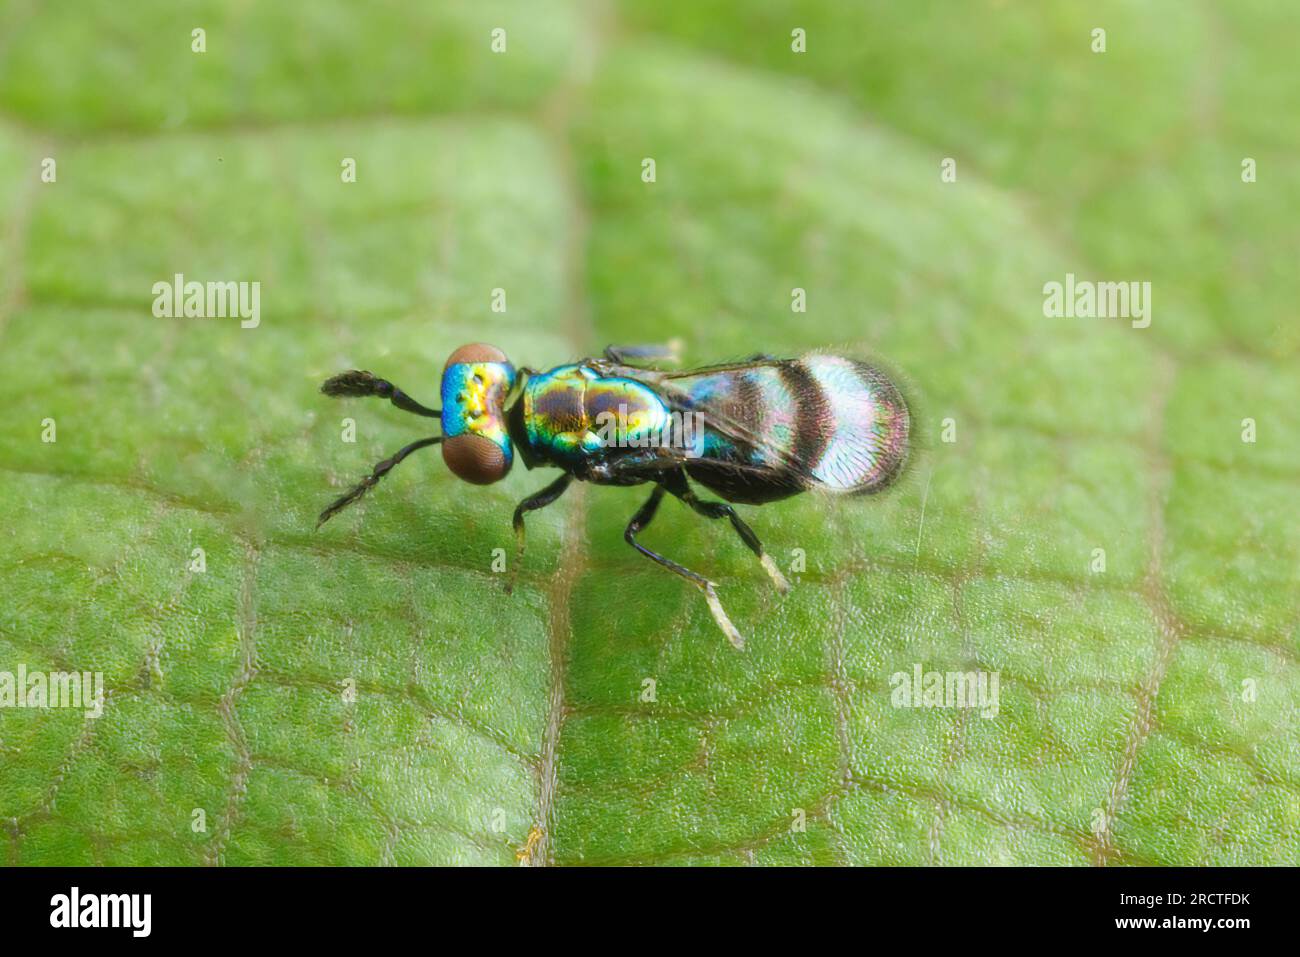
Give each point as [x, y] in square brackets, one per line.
[677, 484]
[356, 383]
[539, 500]
[639, 521]
[371, 480]
[645, 355]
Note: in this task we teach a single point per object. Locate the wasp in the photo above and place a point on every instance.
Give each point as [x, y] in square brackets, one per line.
[751, 432]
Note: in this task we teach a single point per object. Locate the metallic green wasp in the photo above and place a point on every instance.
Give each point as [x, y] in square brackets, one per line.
[752, 432]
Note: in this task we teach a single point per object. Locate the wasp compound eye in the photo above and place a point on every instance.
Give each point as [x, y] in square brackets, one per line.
[476, 352]
[475, 459]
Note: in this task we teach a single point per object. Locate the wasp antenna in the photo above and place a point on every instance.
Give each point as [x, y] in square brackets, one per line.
[360, 383]
[354, 382]
[371, 480]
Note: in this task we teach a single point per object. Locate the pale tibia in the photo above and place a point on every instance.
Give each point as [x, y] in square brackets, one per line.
[778, 579]
[720, 616]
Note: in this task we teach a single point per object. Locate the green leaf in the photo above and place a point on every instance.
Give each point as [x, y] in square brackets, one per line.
[368, 694]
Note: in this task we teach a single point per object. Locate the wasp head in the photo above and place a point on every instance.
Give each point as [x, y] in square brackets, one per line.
[475, 383]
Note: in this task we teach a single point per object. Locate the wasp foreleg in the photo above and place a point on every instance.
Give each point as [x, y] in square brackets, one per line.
[539, 500]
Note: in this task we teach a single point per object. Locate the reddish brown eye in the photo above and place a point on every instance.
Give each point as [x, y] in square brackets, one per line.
[476, 352]
[475, 459]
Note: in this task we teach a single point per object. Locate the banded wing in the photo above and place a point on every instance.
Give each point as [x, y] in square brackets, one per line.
[777, 427]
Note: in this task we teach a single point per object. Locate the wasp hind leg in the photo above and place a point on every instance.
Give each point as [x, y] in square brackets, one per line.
[639, 521]
[531, 504]
[678, 485]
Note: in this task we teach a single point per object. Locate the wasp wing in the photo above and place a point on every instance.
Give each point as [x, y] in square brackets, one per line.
[779, 426]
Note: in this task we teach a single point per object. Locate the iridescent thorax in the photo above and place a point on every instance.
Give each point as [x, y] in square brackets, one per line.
[572, 411]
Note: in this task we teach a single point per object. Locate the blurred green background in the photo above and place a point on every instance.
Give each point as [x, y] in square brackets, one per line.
[1148, 712]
